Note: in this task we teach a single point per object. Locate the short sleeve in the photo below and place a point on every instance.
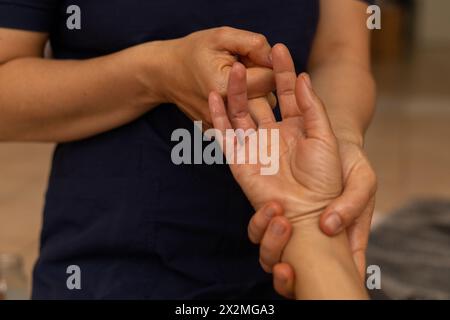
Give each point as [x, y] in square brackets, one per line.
[32, 15]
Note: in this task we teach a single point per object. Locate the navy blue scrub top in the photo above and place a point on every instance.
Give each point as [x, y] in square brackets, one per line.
[137, 225]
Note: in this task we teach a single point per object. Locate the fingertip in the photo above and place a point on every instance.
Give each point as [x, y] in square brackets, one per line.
[302, 84]
[213, 95]
[215, 102]
[331, 223]
[281, 56]
[307, 79]
[284, 279]
[265, 267]
[275, 207]
[260, 221]
[279, 273]
[280, 226]
[239, 69]
[279, 48]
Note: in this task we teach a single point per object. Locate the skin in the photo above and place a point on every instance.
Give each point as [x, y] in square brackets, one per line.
[65, 100]
[59, 101]
[308, 180]
[344, 82]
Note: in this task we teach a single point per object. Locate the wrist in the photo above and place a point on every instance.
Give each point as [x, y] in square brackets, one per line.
[154, 64]
[354, 136]
[326, 264]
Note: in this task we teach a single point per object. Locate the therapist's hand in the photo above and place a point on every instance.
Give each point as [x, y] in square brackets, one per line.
[355, 206]
[353, 210]
[201, 62]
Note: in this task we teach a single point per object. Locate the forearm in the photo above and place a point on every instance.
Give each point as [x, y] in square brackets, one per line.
[323, 265]
[347, 89]
[63, 100]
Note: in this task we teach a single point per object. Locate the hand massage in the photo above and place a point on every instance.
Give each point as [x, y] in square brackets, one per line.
[271, 198]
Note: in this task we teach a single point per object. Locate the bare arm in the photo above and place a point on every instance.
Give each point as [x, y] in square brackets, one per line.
[340, 67]
[51, 100]
[323, 265]
[64, 100]
[341, 74]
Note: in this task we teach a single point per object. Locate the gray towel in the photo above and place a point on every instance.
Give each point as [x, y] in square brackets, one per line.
[412, 248]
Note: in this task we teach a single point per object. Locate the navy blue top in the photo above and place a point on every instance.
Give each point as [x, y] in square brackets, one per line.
[137, 225]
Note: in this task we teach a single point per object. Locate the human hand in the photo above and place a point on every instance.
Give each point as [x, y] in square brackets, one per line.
[201, 62]
[309, 175]
[353, 210]
[271, 230]
[356, 204]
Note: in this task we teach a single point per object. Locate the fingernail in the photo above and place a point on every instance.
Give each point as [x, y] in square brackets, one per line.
[278, 228]
[269, 212]
[334, 223]
[307, 80]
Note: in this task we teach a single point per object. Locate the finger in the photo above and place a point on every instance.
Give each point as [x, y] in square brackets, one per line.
[315, 119]
[248, 44]
[285, 78]
[260, 82]
[273, 242]
[237, 98]
[272, 99]
[359, 188]
[260, 221]
[284, 280]
[219, 115]
[261, 111]
[358, 235]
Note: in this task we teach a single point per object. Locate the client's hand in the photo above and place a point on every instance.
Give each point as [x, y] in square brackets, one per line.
[306, 179]
[309, 176]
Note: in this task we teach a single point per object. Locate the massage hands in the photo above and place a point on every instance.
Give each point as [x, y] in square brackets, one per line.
[201, 62]
[271, 230]
[309, 175]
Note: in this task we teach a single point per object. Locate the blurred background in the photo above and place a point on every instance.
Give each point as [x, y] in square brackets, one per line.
[408, 143]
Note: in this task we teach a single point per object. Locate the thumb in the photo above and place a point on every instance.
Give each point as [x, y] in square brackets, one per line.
[248, 44]
[316, 122]
[359, 189]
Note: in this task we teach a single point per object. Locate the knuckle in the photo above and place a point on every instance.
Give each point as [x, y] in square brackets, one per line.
[222, 31]
[258, 40]
[264, 121]
[218, 83]
[349, 213]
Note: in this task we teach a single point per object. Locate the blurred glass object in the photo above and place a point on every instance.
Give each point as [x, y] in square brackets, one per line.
[13, 283]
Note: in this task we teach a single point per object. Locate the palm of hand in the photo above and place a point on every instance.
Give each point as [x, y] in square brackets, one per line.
[309, 176]
[309, 171]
